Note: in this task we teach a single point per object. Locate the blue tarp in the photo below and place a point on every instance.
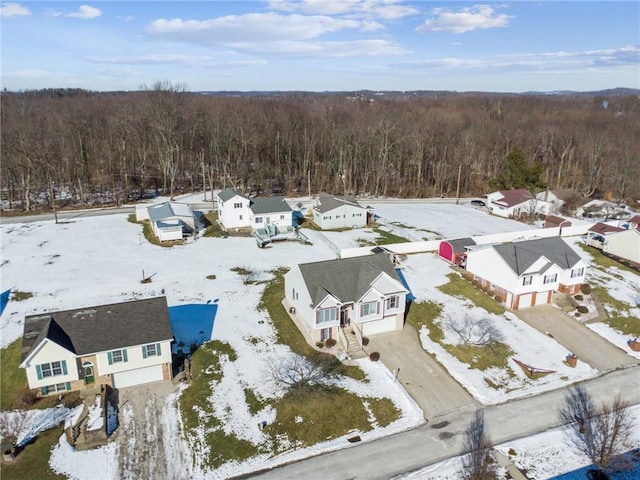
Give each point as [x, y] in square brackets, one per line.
[410, 296]
[192, 324]
[298, 218]
[4, 299]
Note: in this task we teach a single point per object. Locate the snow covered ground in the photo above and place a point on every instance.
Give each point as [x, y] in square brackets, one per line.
[98, 260]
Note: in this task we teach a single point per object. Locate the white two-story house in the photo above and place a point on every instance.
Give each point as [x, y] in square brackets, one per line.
[527, 273]
[362, 294]
[233, 209]
[119, 345]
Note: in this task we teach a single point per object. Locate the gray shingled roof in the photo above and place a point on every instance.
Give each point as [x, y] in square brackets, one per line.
[330, 202]
[459, 244]
[269, 205]
[101, 328]
[168, 210]
[347, 278]
[229, 193]
[521, 255]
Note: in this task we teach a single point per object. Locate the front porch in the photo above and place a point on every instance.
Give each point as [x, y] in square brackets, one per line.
[348, 337]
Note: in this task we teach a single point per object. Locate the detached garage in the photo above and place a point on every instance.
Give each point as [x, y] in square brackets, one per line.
[138, 376]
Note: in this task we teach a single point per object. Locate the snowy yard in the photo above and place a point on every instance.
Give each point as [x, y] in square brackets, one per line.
[100, 260]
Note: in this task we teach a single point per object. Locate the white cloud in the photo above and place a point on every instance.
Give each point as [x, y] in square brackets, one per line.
[174, 59]
[357, 48]
[85, 12]
[467, 19]
[12, 9]
[383, 9]
[249, 28]
[543, 61]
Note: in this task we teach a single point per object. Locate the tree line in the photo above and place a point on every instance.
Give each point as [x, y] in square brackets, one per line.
[83, 148]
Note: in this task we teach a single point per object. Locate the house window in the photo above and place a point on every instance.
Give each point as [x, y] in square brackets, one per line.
[116, 356]
[326, 315]
[550, 278]
[281, 217]
[392, 302]
[527, 280]
[368, 308]
[237, 205]
[58, 387]
[151, 350]
[259, 219]
[578, 272]
[52, 369]
[239, 217]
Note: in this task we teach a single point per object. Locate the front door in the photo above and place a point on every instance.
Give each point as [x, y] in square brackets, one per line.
[89, 376]
[344, 317]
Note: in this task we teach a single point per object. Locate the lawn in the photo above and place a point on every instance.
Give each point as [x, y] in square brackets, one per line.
[604, 262]
[33, 461]
[383, 238]
[13, 379]
[462, 288]
[618, 314]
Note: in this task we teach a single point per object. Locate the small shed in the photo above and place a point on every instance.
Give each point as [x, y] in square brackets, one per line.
[171, 220]
[455, 251]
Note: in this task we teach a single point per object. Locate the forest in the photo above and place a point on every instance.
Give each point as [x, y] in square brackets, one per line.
[86, 148]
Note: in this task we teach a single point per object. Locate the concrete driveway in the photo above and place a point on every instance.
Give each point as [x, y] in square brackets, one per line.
[428, 383]
[587, 345]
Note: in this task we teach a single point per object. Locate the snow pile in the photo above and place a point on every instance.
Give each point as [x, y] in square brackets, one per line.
[95, 415]
[99, 463]
[38, 421]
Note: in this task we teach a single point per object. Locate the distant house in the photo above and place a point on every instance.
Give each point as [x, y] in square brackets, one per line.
[596, 234]
[561, 197]
[330, 299]
[527, 273]
[624, 244]
[634, 222]
[332, 211]
[455, 251]
[170, 220]
[119, 345]
[233, 209]
[515, 203]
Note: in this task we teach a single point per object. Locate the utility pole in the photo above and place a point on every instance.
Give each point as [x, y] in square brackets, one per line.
[53, 199]
[458, 186]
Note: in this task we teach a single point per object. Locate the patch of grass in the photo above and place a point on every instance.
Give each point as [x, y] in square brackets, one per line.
[253, 402]
[205, 368]
[242, 271]
[18, 296]
[383, 238]
[13, 379]
[33, 461]
[211, 277]
[462, 288]
[287, 332]
[212, 228]
[535, 375]
[604, 262]
[131, 218]
[312, 417]
[424, 313]
[618, 319]
[226, 448]
[403, 225]
[383, 410]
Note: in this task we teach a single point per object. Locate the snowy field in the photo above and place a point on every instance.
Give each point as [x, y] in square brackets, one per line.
[99, 260]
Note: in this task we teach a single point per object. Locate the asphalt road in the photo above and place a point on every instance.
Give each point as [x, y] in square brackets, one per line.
[66, 215]
[441, 437]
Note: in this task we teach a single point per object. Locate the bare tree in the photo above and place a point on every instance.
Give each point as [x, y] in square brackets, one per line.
[13, 424]
[478, 332]
[477, 464]
[297, 372]
[601, 433]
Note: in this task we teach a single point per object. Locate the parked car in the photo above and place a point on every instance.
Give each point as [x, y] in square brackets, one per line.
[478, 203]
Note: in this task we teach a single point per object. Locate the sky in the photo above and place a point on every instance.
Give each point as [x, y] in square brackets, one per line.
[322, 45]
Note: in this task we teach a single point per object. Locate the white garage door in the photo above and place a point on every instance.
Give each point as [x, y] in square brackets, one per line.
[541, 298]
[379, 326]
[525, 300]
[137, 376]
